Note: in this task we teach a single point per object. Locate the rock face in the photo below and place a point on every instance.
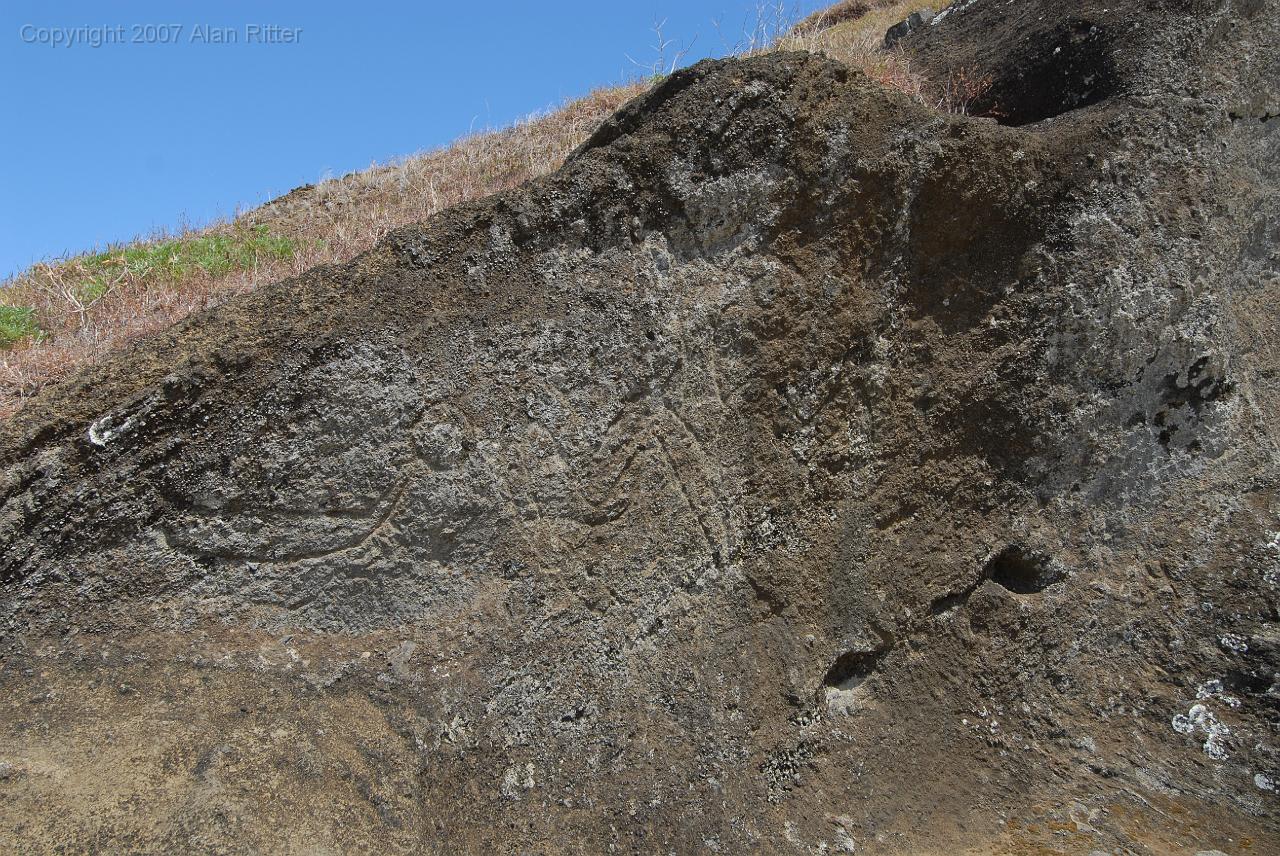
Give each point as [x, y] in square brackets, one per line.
[907, 26]
[797, 470]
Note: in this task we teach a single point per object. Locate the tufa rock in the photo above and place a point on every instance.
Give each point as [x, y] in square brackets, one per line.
[797, 469]
[907, 26]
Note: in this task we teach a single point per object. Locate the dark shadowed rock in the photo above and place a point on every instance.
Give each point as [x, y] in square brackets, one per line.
[797, 469]
[907, 26]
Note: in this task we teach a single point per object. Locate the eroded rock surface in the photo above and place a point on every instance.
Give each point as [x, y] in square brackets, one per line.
[797, 470]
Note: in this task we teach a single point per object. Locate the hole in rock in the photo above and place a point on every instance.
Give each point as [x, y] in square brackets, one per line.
[948, 602]
[1055, 72]
[1022, 571]
[842, 685]
[853, 667]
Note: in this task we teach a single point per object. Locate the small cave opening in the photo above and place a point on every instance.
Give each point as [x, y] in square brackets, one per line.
[1056, 72]
[1023, 571]
[851, 668]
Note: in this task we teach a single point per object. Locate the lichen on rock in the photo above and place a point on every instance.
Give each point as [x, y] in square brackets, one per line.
[798, 467]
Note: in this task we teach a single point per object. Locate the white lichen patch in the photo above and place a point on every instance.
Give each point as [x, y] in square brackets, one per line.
[956, 7]
[1209, 688]
[104, 430]
[1201, 721]
[517, 778]
[1271, 575]
[1213, 688]
[1234, 642]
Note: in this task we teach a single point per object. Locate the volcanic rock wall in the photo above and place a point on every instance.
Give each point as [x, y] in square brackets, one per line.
[797, 468]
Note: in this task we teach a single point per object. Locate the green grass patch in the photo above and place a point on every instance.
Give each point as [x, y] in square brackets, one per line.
[215, 254]
[17, 323]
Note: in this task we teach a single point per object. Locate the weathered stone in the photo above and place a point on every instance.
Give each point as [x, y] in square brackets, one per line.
[797, 468]
[907, 26]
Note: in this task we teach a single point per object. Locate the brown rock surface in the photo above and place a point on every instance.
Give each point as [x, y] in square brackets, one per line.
[797, 470]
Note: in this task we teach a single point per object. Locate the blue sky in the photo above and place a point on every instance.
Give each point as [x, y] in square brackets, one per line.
[157, 125]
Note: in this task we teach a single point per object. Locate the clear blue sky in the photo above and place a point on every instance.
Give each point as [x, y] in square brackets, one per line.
[106, 143]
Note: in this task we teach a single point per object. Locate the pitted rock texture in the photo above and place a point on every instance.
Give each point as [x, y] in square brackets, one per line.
[799, 469]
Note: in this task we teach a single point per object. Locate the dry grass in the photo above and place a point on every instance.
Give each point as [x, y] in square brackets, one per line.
[875, 17]
[60, 315]
[853, 32]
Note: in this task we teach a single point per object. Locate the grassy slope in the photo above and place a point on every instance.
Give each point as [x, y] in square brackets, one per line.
[57, 316]
[62, 314]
